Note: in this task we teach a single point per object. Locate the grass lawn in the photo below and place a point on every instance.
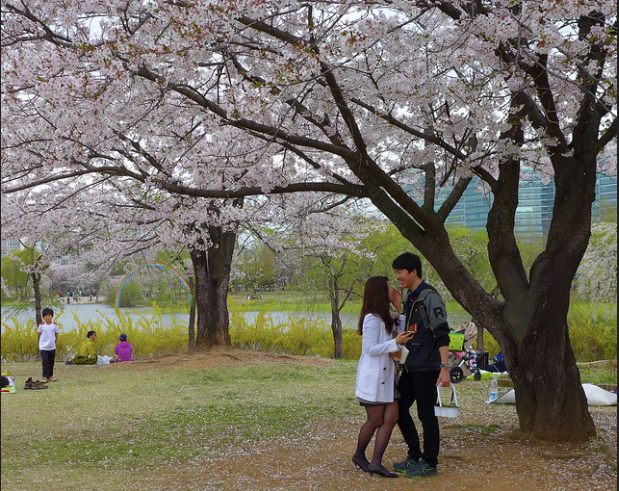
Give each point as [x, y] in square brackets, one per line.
[235, 419]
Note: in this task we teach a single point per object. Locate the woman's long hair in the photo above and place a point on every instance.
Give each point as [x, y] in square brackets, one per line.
[376, 301]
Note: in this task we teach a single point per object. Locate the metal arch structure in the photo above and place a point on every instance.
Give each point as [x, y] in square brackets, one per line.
[163, 267]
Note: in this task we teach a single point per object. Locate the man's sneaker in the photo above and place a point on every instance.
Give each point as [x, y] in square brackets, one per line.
[406, 464]
[422, 469]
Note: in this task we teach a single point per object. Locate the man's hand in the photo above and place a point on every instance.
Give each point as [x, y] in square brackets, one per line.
[444, 379]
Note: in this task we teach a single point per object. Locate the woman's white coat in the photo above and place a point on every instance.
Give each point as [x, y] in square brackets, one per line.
[376, 369]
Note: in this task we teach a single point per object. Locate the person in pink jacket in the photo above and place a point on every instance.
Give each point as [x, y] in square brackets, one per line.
[123, 349]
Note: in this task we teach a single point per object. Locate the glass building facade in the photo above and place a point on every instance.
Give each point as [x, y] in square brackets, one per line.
[10, 245]
[535, 203]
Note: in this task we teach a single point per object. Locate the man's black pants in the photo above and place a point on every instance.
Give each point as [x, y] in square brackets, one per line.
[419, 387]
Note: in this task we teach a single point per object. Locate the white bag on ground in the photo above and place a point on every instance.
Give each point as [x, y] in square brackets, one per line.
[596, 396]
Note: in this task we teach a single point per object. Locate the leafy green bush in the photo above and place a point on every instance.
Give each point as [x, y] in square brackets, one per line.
[295, 336]
[302, 337]
[149, 336]
[351, 344]
[593, 331]
[19, 340]
[130, 296]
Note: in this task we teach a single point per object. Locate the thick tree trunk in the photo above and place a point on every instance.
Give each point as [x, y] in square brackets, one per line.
[530, 322]
[336, 328]
[550, 401]
[533, 330]
[212, 275]
[201, 274]
[36, 286]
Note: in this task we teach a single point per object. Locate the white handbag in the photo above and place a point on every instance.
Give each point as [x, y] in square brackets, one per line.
[450, 409]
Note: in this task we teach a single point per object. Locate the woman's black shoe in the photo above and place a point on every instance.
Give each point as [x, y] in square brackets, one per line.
[362, 465]
[381, 472]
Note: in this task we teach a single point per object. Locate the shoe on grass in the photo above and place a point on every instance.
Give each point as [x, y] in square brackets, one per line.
[28, 383]
[406, 464]
[38, 385]
[422, 469]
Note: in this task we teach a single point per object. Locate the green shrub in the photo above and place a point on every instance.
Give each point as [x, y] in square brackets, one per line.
[19, 340]
[593, 332]
[295, 336]
[302, 337]
[130, 296]
[351, 344]
[149, 336]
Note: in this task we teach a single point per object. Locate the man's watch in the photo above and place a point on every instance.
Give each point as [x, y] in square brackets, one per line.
[444, 365]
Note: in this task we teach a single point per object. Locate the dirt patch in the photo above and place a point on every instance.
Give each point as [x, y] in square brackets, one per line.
[221, 357]
[478, 451]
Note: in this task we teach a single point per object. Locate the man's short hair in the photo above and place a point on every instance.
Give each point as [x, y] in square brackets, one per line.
[409, 262]
[47, 311]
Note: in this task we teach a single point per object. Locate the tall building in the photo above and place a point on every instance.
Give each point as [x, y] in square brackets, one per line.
[605, 205]
[535, 203]
[11, 245]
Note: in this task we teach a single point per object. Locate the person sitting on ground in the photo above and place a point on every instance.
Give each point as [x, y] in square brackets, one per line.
[498, 364]
[123, 349]
[87, 354]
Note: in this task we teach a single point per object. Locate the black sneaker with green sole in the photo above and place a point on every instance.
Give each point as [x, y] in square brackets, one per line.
[422, 469]
[405, 464]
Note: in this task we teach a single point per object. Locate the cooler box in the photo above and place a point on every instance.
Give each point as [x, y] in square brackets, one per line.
[456, 341]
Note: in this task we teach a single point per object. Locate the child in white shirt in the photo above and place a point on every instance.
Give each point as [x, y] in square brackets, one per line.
[48, 336]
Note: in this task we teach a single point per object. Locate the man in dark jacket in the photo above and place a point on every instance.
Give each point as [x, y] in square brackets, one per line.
[425, 367]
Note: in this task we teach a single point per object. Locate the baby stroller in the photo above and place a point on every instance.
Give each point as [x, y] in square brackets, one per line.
[469, 359]
[463, 357]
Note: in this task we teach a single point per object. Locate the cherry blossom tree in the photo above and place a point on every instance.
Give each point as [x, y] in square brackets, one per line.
[385, 101]
[329, 246]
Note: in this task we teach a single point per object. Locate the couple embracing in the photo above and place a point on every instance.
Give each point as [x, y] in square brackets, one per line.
[387, 392]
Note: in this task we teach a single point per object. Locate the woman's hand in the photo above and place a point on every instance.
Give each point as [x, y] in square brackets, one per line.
[404, 337]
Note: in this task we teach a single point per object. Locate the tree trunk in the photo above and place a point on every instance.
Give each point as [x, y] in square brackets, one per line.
[212, 274]
[336, 321]
[191, 330]
[336, 328]
[36, 286]
[549, 394]
[533, 329]
[530, 323]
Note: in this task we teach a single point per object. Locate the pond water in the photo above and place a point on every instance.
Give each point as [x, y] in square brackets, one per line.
[86, 311]
[65, 315]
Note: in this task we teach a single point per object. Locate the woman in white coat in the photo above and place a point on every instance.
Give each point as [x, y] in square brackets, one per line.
[376, 371]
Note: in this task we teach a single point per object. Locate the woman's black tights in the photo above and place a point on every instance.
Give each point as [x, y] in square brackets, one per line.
[381, 419]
